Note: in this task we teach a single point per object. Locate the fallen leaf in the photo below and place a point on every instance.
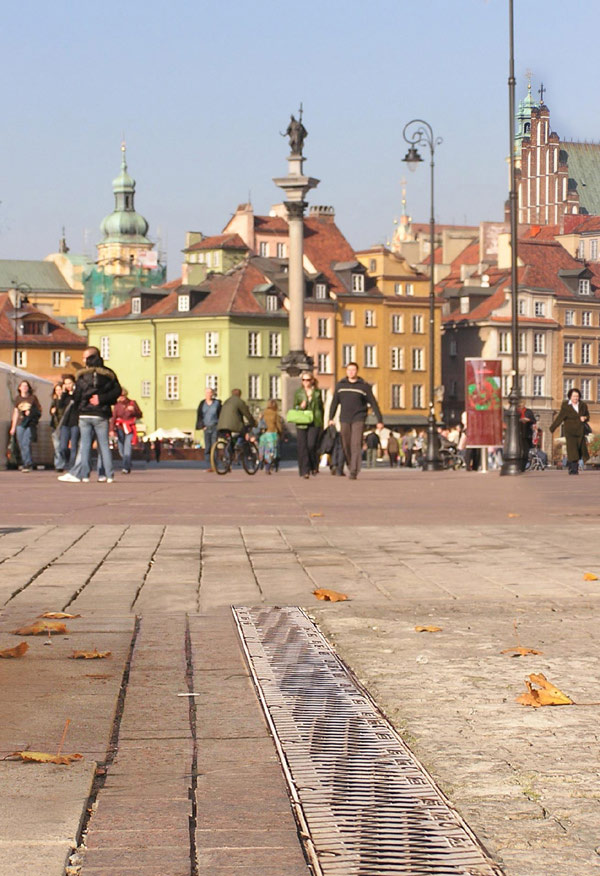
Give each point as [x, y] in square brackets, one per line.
[545, 694]
[38, 627]
[57, 615]
[100, 675]
[589, 576]
[513, 514]
[17, 651]
[316, 514]
[429, 629]
[43, 757]
[520, 651]
[90, 655]
[329, 595]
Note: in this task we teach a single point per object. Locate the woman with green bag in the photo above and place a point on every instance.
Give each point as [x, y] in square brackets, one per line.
[308, 398]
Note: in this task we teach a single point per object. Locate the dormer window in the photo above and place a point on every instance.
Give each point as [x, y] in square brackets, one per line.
[584, 287]
[136, 305]
[271, 303]
[183, 303]
[321, 291]
[358, 283]
[464, 304]
[581, 250]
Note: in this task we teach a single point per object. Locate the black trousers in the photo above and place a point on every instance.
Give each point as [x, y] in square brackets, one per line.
[308, 445]
[352, 439]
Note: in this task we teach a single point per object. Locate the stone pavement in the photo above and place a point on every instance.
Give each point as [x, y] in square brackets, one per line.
[190, 784]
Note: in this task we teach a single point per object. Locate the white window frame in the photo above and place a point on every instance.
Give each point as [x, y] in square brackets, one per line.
[586, 318]
[586, 353]
[323, 363]
[105, 347]
[397, 396]
[136, 305]
[145, 389]
[263, 249]
[275, 344]
[348, 354]
[322, 327]
[523, 307]
[172, 345]
[358, 283]
[370, 355]
[593, 249]
[538, 385]
[275, 386]
[20, 358]
[146, 347]
[211, 344]
[183, 303]
[212, 382]
[397, 323]
[539, 308]
[172, 387]
[418, 396]
[417, 324]
[410, 289]
[347, 317]
[397, 358]
[321, 291]
[254, 387]
[254, 345]
[569, 353]
[570, 317]
[369, 319]
[539, 342]
[398, 289]
[418, 359]
[280, 255]
[271, 302]
[568, 383]
[583, 287]
[522, 342]
[504, 342]
[58, 358]
[586, 389]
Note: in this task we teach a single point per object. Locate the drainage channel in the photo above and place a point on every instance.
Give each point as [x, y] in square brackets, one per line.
[365, 806]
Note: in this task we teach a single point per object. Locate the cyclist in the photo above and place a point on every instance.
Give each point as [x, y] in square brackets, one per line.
[235, 416]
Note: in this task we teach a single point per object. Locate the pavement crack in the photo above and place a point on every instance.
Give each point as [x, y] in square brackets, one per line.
[200, 570]
[93, 572]
[193, 820]
[253, 570]
[149, 567]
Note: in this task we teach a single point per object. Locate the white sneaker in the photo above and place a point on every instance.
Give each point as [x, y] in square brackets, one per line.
[69, 478]
[101, 480]
[85, 480]
[109, 480]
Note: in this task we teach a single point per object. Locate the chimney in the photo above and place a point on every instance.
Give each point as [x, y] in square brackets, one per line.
[323, 214]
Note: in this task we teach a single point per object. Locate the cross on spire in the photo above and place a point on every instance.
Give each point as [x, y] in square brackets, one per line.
[541, 91]
[528, 75]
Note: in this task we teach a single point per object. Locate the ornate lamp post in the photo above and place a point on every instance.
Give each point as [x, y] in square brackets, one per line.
[417, 133]
[513, 452]
[19, 291]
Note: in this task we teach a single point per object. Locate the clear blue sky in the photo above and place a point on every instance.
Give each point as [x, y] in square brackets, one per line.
[201, 91]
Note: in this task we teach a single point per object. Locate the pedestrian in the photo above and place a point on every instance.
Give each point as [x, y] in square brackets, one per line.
[55, 416]
[408, 443]
[308, 397]
[574, 415]
[69, 424]
[235, 416]
[125, 414]
[157, 449]
[373, 445]
[353, 395]
[25, 417]
[268, 443]
[393, 449]
[96, 390]
[526, 425]
[207, 418]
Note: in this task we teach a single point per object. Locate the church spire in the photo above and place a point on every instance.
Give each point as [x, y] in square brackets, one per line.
[124, 222]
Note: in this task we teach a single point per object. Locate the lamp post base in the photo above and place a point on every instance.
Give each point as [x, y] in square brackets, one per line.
[512, 455]
[432, 461]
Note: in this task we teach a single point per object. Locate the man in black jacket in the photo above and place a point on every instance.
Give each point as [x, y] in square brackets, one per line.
[353, 395]
[96, 390]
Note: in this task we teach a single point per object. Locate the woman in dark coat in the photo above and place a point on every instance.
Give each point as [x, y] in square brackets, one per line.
[308, 398]
[573, 415]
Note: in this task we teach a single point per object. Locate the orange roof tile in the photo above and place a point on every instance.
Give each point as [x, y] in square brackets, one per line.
[57, 335]
[218, 241]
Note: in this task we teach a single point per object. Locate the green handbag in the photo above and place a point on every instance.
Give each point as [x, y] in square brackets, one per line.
[300, 418]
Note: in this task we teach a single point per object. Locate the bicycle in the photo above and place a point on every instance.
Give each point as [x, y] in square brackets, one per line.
[451, 458]
[229, 449]
[534, 461]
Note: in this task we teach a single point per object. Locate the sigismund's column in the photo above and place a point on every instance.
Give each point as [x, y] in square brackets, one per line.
[295, 185]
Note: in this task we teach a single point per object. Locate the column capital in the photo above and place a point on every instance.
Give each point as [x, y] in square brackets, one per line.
[295, 209]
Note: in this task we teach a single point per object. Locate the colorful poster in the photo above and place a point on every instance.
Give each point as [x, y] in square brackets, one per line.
[483, 402]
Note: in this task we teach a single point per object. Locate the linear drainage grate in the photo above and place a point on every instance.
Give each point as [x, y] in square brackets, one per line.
[365, 805]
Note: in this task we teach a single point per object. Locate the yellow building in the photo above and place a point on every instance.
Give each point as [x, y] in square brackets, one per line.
[47, 288]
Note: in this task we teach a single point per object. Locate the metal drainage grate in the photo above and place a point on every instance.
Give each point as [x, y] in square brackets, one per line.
[364, 804]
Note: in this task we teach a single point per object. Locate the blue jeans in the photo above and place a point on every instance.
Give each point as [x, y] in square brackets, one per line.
[24, 442]
[90, 426]
[69, 434]
[124, 442]
[59, 460]
[210, 436]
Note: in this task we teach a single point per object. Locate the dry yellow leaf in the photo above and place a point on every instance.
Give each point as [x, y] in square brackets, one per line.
[43, 757]
[429, 629]
[316, 514]
[589, 576]
[545, 694]
[57, 615]
[17, 651]
[513, 514]
[90, 655]
[520, 651]
[39, 627]
[329, 595]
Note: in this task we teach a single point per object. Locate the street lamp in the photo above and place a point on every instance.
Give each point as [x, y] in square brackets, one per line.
[417, 133]
[20, 290]
[513, 452]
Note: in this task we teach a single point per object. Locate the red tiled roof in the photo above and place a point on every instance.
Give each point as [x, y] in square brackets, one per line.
[218, 241]
[591, 223]
[58, 334]
[542, 260]
[437, 255]
[270, 225]
[425, 226]
[469, 255]
[541, 232]
[324, 245]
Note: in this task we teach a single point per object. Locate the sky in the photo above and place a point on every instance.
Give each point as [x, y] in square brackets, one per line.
[201, 92]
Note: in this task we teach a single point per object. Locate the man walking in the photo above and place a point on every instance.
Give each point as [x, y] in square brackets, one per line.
[96, 390]
[353, 395]
[207, 419]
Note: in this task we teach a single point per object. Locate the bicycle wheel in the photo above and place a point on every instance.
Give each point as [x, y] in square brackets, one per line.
[220, 456]
[250, 458]
[458, 463]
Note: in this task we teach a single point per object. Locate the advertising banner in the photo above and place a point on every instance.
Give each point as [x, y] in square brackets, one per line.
[483, 402]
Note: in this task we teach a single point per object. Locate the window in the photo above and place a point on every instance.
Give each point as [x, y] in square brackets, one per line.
[586, 318]
[569, 317]
[272, 303]
[254, 386]
[280, 255]
[522, 342]
[35, 327]
[323, 328]
[581, 249]
[538, 384]
[307, 328]
[275, 344]
[418, 359]
[586, 354]
[136, 305]
[584, 287]
[275, 383]
[418, 396]
[398, 288]
[348, 354]
[105, 347]
[212, 382]
[20, 358]
[209, 259]
[211, 343]
[200, 258]
[464, 304]
[522, 307]
[593, 249]
[539, 308]
[397, 363]
[569, 357]
[539, 342]
[417, 324]
[397, 395]
[58, 358]
[410, 289]
[504, 344]
[263, 249]
[320, 291]
[453, 349]
[358, 283]
[347, 317]
[183, 303]
[370, 356]
[323, 363]
[372, 265]
[172, 387]
[568, 383]
[522, 385]
[254, 345]
[506, 385]
[586, 389]
[145, 391]
[397, 323]
[146, 346]
[369, 318]
[171, 345]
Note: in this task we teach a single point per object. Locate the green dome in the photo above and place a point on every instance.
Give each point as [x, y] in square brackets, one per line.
[124, 224]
